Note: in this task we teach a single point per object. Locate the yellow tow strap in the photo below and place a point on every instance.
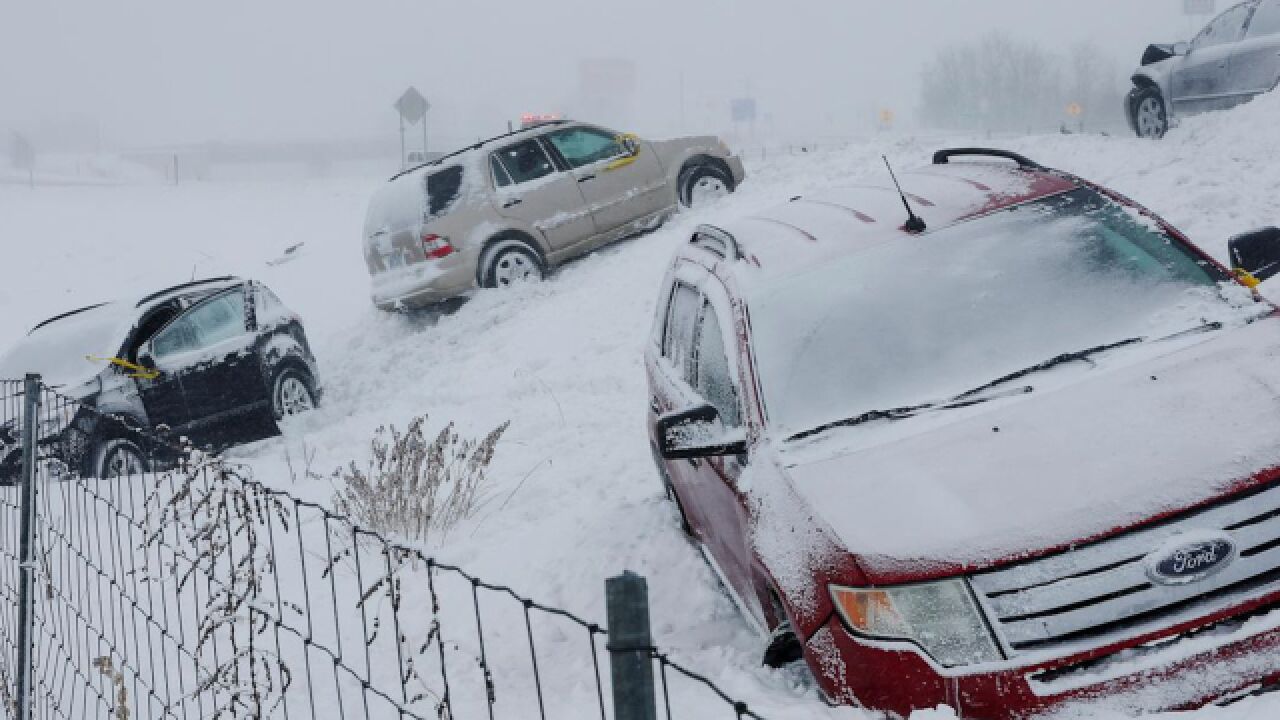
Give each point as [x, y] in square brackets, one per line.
[136, 370]
[627, 160]
[1247, 278]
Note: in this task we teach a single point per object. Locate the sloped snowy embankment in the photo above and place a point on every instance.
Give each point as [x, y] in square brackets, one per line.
[574, 498]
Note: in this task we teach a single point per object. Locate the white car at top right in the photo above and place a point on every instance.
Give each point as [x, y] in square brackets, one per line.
[1235, 58]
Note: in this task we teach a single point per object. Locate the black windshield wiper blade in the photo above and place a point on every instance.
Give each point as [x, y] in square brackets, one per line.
[969, 398]
[1062, 359]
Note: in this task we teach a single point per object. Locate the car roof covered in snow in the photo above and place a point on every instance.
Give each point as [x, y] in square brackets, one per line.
[811, 229]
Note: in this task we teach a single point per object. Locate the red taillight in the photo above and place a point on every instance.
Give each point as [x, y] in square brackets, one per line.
[436, 246]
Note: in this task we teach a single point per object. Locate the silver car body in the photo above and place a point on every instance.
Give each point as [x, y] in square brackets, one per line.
[1233, 59]
[524, 188]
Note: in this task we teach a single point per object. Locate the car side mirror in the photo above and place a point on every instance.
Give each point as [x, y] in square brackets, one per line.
[697, 432]
[1181, 49]
[1256, 254]
[630, 144]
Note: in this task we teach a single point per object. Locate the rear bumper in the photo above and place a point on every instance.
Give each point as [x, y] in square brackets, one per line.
[426, 283]
[1215, 659]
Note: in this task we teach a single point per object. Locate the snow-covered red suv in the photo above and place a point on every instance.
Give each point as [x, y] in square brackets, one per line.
[1024, 458]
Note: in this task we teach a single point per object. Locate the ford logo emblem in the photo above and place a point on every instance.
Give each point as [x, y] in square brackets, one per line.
[1187, 559]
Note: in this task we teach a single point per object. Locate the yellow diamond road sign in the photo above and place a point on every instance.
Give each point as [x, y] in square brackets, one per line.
[412, 106]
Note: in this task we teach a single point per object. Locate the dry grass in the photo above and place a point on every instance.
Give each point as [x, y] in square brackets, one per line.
[415, 488]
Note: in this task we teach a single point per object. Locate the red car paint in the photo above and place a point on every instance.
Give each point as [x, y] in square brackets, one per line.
[897, 677]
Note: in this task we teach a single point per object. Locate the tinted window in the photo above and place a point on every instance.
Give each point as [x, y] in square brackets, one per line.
[1227, 28]
[500, 178]
[715, 381]
[682, 318]
[584, 146]
[525, 161]
[443, 189]
[1266, 21]
[208, 324]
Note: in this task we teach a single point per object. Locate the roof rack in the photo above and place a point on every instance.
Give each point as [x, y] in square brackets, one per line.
[65, 315]
[476, 146]
[942, 157]
[717, 242]
[184, 286]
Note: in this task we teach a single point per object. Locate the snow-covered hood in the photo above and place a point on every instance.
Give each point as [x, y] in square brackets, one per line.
[1113, 446]
[675, 151]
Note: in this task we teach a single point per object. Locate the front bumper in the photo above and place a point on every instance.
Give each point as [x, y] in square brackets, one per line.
[736, 169]
[1215, 658]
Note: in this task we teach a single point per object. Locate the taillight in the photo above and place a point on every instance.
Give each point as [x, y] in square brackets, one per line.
[436, 246]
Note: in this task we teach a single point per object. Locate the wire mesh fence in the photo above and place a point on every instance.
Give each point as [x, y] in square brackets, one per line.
[161, 582]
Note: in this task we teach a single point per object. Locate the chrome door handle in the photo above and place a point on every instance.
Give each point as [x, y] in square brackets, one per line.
[586, 178]
[512, 202]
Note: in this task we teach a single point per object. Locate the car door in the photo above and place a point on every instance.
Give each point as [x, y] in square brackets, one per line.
[714, 481]
[530, 188]
[210, 348]
[1255, 61]
[621, 185]
[1202, 79]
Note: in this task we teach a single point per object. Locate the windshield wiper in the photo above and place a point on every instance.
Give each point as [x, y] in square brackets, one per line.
[972, 397]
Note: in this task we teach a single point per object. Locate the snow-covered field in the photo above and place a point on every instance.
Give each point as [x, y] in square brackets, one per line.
[574, 497]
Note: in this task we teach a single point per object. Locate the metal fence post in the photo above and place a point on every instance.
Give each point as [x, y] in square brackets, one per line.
[27, 545]
[630, 647]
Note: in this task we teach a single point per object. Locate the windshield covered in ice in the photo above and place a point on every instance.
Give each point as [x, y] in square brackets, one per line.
[60, 351]
[922, 318]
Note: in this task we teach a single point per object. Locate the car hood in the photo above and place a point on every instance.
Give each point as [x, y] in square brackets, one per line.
[673, 152]
[1094, 450]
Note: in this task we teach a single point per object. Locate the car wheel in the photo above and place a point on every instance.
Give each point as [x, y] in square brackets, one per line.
[701, 185]
[512, 264]
[1150, 117]
[117, 458]
[292, 394]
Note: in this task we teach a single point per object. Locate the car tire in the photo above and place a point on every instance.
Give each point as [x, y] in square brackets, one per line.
[118, 457]
[1150, 114]
[703, 184]
[510, 263]
[293, 392]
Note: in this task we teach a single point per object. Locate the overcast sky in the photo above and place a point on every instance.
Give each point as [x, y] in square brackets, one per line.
[149, 72]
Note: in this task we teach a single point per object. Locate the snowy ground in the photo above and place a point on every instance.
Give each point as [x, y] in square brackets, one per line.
[575, 498]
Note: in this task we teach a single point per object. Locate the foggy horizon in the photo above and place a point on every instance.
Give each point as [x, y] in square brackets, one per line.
[152, 74]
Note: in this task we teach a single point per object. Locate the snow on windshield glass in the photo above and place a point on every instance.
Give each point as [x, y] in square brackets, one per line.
[60, 351]
[923, 318]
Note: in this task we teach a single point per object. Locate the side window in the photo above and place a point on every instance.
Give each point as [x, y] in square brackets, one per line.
[500, 177]
[1227, 28]
[715, 379]
[584, 146]
[525, 161]
[208, 324]
[443, 189]
[682, 318]
[1266, 21]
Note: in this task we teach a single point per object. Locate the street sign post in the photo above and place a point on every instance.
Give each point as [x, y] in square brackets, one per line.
[23, 154]
[412, 107]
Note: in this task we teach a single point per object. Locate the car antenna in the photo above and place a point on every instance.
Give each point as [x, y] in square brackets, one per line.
[915, 225]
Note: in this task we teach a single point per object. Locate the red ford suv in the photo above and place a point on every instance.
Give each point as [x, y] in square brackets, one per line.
[1005, 441]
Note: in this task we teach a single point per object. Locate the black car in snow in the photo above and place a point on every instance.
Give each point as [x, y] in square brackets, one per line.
[218, 362]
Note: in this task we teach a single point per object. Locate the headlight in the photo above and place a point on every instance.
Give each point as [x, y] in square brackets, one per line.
[940, 617]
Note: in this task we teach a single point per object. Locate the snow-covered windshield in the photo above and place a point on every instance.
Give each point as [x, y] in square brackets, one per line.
[60, 352]
[923, 318]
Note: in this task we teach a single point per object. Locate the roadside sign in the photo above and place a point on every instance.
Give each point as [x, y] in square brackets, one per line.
[412, 106]
[22, 153]
[1199, 7]
[1074, 110]
[886, 117]
[743, 109]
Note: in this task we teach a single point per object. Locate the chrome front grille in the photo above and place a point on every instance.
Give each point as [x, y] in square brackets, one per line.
[1097, 591]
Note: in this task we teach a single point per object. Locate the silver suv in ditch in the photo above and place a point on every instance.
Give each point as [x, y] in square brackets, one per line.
[509, 209]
